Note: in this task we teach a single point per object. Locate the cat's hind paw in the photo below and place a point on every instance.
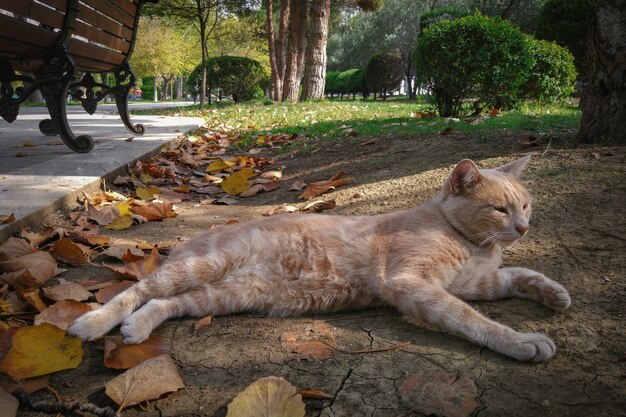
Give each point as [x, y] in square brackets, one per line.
[92, 325]
[531, 347]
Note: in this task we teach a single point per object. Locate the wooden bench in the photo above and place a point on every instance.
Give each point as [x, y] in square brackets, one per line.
[53, 39]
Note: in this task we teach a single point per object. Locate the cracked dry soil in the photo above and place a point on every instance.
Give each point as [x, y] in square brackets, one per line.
[577, 236]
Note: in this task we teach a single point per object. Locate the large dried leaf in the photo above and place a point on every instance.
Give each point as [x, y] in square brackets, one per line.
[316, 188]
[66, 291]
[147, 193]
[236, 183]
[104, 215]
[220, 165]
[68, 252]
[41, 350]
[269, 397]
[117, 355]
[7, 218]
[121, 223]
[155, 210]
[119, 250]
[63, 313]
[310, 342]
[105, 294]
[138, 267]
[90, 238]
[29, 385]
[446, 394]
[14, 248]
[31, 270]
[33, 297]
[147, 381]
[47, 235]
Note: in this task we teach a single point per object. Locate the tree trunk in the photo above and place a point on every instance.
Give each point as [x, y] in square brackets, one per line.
[281, 46]
[204, 59]
[271, 42]
[155, 89]
[603, 100]
[302, 34]
[290, 80]
[315, 56]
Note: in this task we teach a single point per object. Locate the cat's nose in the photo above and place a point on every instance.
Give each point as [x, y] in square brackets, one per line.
[521, 230]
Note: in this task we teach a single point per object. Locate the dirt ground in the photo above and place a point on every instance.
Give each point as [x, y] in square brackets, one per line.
[577, 236]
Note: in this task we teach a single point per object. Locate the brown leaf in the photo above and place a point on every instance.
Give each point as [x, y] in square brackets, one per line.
[155, 210]
[425, 114]
[66, 291]
[319, 206]
[31, 270]
[269, 396]
[90, 238]
[310, 342]
[63, 313]
[8, 404]
[104, 215]
[297, 185]
[316, 188]
[315, 394]
[118, 251]
[107, 293]
[448, 394]
[33, 297]
[70, 253]
[529, 141]
[46, 236]
[147, 381]
[493, 112]
[14, 248]
[4, 219]
[447, 131]
[117, 355]
[29, 385]
[203, 322]
[138, 267]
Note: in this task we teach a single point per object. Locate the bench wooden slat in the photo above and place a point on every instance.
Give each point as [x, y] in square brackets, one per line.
[78, 48]
[27, 33]
[112, 11]
[45, 15]
[57, 4]
[129, 6]
[94, 18]
[96, 35]
[18, 49]
[90, 65]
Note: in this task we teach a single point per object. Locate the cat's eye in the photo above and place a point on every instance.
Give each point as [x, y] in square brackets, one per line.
[501, 209]
[525, 206]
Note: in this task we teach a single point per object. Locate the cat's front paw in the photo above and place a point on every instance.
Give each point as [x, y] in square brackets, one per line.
[134, 330]
[531, 347]
[92, 325]
[555, 296]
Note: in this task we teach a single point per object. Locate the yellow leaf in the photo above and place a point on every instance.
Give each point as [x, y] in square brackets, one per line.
[235, 184]
[41, 350]
[120, 223]
[147, 193]
[269, 396]
[261, 140]
[219, 165]
[124, 209]
[248, 172]
[146, 178]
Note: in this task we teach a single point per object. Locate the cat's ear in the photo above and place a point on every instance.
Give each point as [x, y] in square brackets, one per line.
[516, 167]
[464, 176]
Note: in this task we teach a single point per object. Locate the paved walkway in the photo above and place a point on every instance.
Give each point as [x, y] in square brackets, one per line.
[39, 173]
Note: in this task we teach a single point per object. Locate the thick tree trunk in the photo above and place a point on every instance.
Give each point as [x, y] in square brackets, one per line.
[276, 80]
[290, 80]
[281, 45]
[603, 100]
[302, 33]
[315, 56]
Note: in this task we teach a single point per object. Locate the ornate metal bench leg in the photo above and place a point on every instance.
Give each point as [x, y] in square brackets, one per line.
[9, 108]
[46, 126]
[56, 73]
[121, 92]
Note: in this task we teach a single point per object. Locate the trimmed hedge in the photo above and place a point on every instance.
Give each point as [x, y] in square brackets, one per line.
[330, 83]
[473, 57]
[439, 15]
[238, 77]
[384, 73]
[552, 75]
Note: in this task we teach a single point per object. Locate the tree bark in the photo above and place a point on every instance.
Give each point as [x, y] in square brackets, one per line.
[290, 80]
[603, 100]
[281, 45]
[271, 42]
[315, 56]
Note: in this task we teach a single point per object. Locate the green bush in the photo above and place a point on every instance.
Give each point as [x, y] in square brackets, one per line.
[439, 15]
[238, 77]
[330, 83]
[477, 58]
[384, 73]
[147, 88]
[350, 82]
[566, 22]
[552, 75]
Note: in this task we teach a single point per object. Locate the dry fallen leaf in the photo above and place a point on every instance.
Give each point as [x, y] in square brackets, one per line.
[105, 294]
[310, 342]
[319, 206]
[102, 216]
[29, 385]
[8, 404]
[315, 394]
[117, 355]
[235, 183]
[63, 313]
[41, 350]
[70, 253]
[147, 193]
[147, 381]
[270, 396]
[67, 291]
[138, 267]
[120, 223]
[14, 248]
[446, 394]
[316, 188]
[33, 297]
[447, 131]
[155, 210]
[7, 218]
[31, 270]
[203, 322]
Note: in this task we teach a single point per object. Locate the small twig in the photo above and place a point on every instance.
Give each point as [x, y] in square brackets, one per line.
[398, 346]
[547, 147]
[66, 408]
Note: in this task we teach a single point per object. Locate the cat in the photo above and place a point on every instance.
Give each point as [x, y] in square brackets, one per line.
[423, 261]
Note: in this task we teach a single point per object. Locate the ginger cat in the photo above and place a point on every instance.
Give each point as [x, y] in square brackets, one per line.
[423, 261]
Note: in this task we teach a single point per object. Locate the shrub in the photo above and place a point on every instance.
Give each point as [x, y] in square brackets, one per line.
[147, 87]
[350, 81]
[552, 75]
[482, 59]
[384, 73]
[238, 77]
[566, 22]
[439, 15]
[330, 83]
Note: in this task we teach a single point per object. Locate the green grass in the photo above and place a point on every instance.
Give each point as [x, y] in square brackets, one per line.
[332, 119]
